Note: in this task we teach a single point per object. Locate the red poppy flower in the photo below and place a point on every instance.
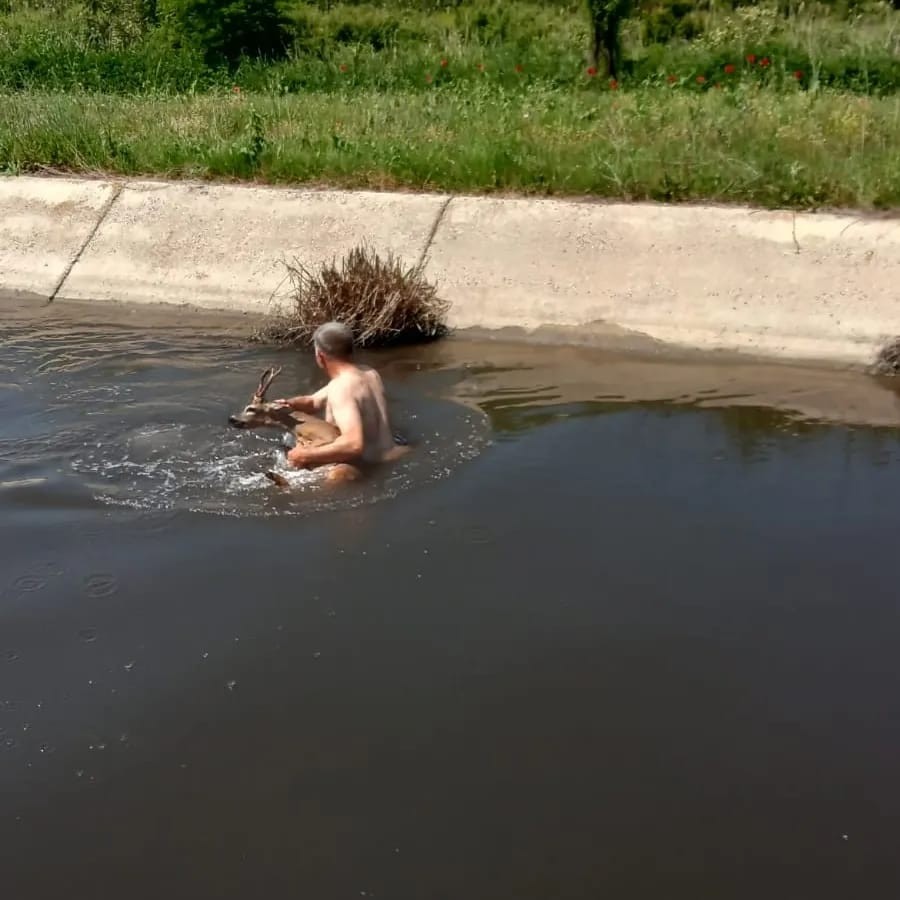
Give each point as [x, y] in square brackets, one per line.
[592, 71]
[701, 79]
[519, 69]
[613, 84]
[342, 67]
[480, 67]
[798, 75]
[235, 90]
[730, 69]
[443, 63]
[751, 58]
[672, 79]
[765, 62]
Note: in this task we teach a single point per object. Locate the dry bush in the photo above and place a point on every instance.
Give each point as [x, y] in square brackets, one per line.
[380, 299]
[888, 359]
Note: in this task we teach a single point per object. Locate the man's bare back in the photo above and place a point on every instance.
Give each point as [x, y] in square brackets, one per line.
[354, 402]
[363, 388]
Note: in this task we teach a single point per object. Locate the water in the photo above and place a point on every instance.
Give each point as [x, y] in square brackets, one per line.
[620, 627]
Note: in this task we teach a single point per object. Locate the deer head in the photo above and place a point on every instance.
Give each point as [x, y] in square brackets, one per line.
[260, 414]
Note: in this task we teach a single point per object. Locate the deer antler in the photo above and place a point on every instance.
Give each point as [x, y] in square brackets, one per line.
[265, 382]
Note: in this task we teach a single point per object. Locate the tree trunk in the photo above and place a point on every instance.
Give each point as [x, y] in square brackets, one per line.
[606, 18]
[604, 49]
[596, 46]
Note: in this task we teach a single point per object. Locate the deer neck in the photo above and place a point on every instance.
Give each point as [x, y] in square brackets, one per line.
[286, 420]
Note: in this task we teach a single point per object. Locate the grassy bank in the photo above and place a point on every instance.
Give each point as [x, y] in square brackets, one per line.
[756, 146]
[714, 101]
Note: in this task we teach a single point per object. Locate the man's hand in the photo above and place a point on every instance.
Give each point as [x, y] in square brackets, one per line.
[298, 457]
[312, 403]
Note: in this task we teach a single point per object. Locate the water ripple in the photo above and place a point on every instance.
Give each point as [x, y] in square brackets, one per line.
[135, 417]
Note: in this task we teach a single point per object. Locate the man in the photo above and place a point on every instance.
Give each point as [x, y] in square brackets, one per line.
[353, 401]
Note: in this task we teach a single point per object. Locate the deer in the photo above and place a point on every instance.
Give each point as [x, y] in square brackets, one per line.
[309, 430]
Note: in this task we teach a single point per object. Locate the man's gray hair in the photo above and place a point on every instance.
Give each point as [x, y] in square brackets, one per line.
[334, 339]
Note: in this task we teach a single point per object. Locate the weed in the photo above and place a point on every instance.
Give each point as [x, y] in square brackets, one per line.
[383, 301]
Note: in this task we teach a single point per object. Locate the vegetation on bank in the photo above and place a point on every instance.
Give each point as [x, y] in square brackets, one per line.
[780, 103]
[755, 146]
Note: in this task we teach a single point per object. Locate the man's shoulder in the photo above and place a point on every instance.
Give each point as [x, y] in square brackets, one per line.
[359, 374]
[344, 385]
[369, 374]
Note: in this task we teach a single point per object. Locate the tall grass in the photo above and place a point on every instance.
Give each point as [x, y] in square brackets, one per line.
[475, 95]
[751, 144]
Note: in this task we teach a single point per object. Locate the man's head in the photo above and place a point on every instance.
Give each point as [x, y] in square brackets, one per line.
[333, 342]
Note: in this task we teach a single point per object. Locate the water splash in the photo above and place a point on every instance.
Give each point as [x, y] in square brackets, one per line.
[166, 468]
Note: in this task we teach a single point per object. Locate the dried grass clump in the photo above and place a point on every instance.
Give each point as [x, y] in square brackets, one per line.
[380, 299]
[888, 360]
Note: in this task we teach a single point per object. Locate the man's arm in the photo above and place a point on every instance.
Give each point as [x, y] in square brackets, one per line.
[347, 447]
[311, 403]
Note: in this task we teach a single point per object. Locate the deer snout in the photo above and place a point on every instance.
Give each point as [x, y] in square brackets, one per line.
[238, 423]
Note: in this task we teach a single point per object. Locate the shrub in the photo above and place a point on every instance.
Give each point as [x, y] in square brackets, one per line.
[119, 23]
[888, 359]
[226, 30]
[380, 299]
[49, 61]
[669, 19]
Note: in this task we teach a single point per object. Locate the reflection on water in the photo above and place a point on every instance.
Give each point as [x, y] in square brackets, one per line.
[750, 432]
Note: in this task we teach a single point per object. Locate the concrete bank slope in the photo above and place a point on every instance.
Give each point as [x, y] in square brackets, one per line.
[774, 284]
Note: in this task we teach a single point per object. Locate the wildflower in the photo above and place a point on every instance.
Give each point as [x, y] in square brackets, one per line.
[613, 84]
[798, 75]
[342, 67]
[765, 62]
[480, 67]
[235, 90]
[520, 69]
[701, 79]
[672, 79]
[592, 71]
[751, 58]
[443, 63]
[730, 69]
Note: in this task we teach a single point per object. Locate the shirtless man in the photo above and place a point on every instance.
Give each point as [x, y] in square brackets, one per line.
[353, 401]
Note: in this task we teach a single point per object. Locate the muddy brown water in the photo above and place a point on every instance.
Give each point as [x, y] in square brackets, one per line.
[619, 627]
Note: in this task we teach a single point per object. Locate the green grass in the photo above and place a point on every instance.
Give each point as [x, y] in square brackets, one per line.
[479, 95]
[752, 145]
[395, 45]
